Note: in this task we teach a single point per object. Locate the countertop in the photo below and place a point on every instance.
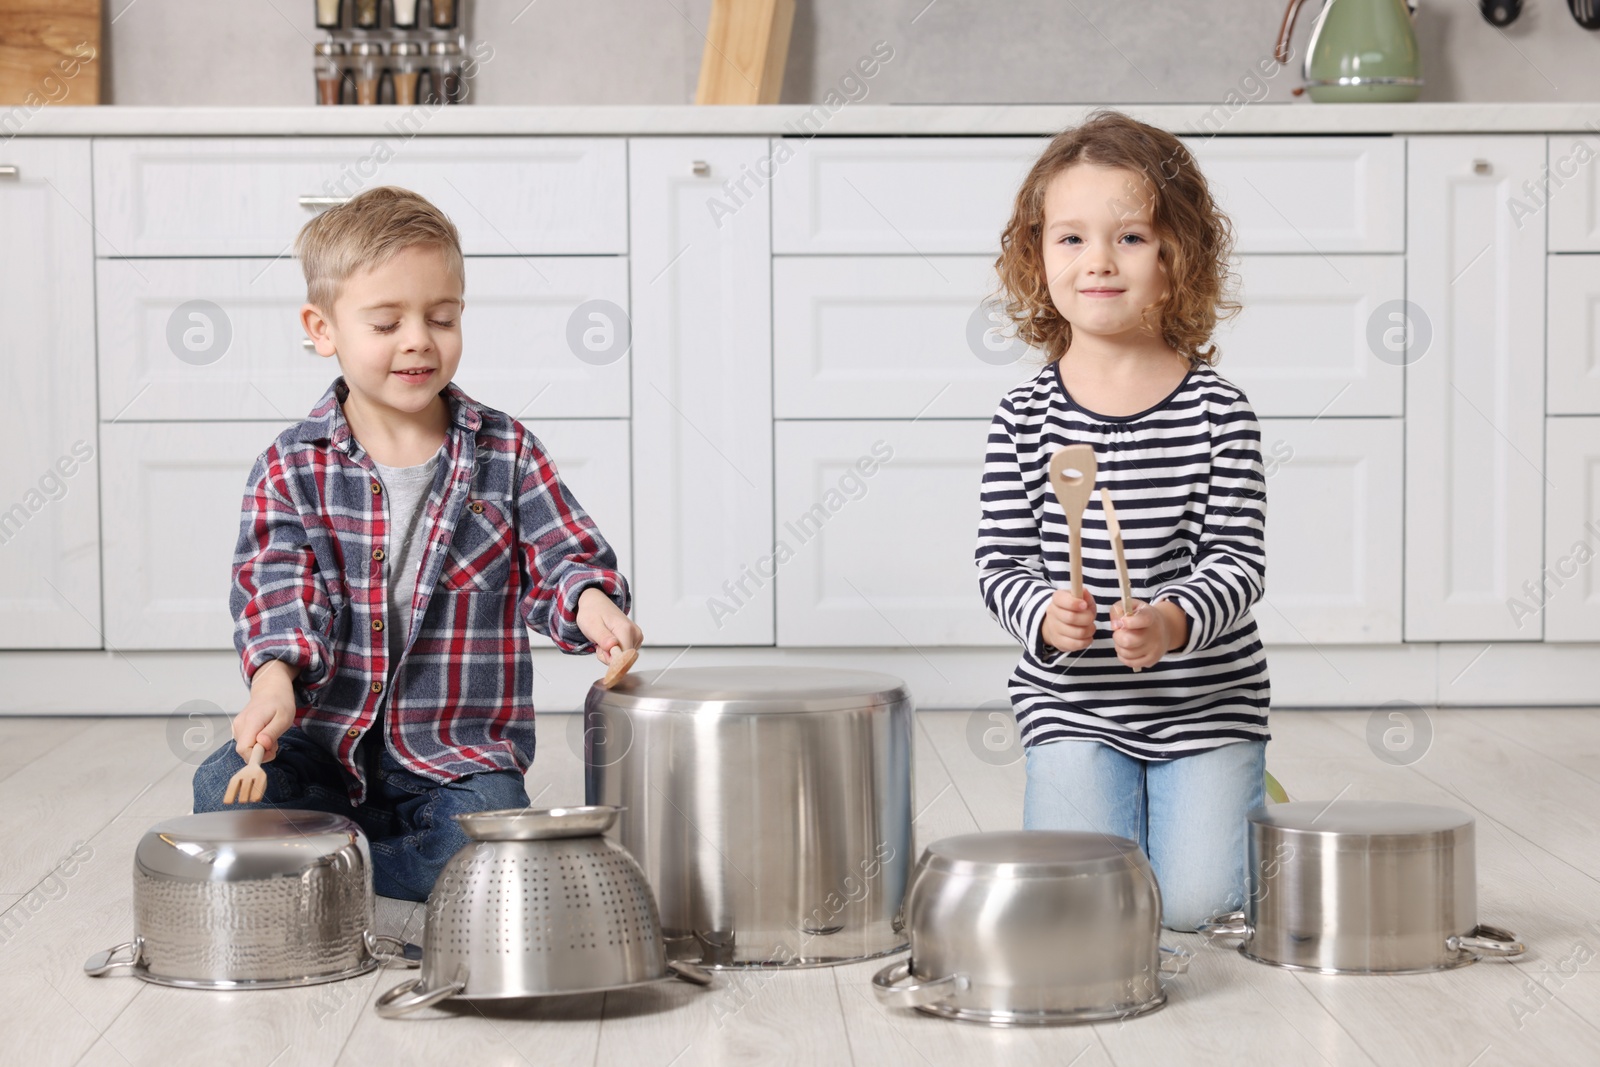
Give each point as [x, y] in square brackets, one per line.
[1227, 118]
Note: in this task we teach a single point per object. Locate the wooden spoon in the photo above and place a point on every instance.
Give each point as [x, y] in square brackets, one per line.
[1115, 530]
[620, 662]
[249, 783]
[1072, 471]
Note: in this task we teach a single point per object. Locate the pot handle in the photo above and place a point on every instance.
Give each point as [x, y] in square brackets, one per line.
[1228, 924]
[886, 984]
[405, 952]
[106, 962]
[1487, 941]
[404, 998]
[1174, 961]
[689, 972]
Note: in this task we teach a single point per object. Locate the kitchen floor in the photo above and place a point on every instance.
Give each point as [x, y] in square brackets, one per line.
[1532, 777]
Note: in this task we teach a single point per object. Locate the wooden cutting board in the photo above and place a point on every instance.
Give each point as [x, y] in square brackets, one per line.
[747, 43]
[49, 52]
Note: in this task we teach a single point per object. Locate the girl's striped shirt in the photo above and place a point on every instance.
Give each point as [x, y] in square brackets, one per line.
[1187, 482]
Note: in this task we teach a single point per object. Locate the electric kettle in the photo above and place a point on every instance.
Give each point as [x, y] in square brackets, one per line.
[1360, 50]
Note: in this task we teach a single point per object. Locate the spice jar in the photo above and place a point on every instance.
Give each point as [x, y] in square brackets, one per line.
[404, 14]
[405, 70]
[368, 64]
[444, 14]
[366, 14]
[328, 14]
[330, 71]
[448, 87]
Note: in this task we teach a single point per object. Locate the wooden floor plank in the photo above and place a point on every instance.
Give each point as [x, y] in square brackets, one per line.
[25, 740]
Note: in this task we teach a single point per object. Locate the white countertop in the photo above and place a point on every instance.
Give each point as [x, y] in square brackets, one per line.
[851, 120]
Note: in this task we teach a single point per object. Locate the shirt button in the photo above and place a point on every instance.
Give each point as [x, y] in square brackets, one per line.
[377, 624]
[377, 553]
[477, 507]
[377, 687]
[353, 732]
[376, 488]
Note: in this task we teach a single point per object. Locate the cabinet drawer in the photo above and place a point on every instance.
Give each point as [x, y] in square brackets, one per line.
[242, 197]
[876, 527]
[221, 339]
[1574, 195]
[1571, 594]
[1574, 344]
[953, 195]
[1308, 339]
[889, 337]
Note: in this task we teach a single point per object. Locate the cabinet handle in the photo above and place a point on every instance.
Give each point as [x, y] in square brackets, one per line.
[701, 168]
[1481, 166]
[323, 201]
[7, 171]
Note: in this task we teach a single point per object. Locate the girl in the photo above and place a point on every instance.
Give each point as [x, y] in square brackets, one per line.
[1114, 264]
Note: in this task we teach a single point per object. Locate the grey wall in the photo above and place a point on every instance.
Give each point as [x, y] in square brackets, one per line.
[257, 52]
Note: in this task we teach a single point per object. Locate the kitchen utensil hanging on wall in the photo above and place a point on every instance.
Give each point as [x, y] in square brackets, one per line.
[1500, 12]
[1586, 13]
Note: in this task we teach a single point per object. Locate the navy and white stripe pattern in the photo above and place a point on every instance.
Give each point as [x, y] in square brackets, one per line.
[1187, 481]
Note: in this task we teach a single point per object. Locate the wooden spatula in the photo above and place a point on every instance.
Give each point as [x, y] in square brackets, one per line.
[1115, 530]
[621, 660]
[1072, 471]
[249, 783]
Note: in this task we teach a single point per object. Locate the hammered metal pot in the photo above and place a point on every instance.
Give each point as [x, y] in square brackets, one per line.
[1362, 887]
[251, 899]
[540, 904]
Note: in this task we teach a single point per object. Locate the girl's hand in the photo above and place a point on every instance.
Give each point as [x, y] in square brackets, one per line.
[1146, 634]
[605, 624]
[1068, 621]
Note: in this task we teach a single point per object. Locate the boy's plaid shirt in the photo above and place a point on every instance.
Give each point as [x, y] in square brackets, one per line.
[507, 544]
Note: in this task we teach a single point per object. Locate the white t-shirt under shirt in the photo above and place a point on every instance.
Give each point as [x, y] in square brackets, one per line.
[1187, 481]
[407, 492]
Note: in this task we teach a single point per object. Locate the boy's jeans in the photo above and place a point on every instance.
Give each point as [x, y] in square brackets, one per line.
[1188, 814]
[407, 818]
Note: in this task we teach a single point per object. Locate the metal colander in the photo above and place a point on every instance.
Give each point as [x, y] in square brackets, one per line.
[539, 904]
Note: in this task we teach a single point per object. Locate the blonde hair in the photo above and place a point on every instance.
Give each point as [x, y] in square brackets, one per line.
[1196, 237]
[367, 231]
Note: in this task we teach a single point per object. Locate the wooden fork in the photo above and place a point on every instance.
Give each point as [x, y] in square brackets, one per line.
[1115, 530]
[249, 783]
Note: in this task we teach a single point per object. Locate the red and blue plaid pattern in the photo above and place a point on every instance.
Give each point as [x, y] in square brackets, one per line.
[508, 545]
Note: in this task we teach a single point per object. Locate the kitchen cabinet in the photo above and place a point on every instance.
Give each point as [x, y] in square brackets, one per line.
[702, 390]
[1574, 195]
[1574, 345]
[1567, 594]
[1474, 387]
[49, 483]
[220, 338]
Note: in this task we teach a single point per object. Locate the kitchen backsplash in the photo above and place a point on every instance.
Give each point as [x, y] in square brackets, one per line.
[563, 52]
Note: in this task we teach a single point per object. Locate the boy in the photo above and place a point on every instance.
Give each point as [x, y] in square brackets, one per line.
[391, 548]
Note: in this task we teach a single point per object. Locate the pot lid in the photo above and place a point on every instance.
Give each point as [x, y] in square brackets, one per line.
[1034, 854]
[250, 843]
[1383, 822]
[751, 690]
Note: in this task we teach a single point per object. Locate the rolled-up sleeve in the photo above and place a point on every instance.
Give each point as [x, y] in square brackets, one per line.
[1230, 570]
[562, 552]
[278, 600]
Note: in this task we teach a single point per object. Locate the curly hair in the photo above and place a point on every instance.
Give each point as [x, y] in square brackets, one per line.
[1196, 237]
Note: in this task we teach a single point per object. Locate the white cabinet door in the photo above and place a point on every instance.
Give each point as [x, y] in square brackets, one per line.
[1574, 316]
[1334, 495]
[219, 196]
[49, 493]
[1574, 195]
[221, 339]
[1311, 337]
[890, 337]
[174, 490]
[877, 525]
[702, 389]
[1475, 393]
[1567, 594]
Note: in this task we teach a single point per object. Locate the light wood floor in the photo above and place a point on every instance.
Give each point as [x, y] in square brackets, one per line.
[1531, 777]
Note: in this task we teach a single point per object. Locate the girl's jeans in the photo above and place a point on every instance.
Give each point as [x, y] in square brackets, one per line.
[1188, 814]
[407, 818]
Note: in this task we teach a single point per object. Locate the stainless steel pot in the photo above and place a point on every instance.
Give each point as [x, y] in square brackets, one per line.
[769, 806]
[1032, 927]
[541, 904]
[1362, 887]
[251, 899]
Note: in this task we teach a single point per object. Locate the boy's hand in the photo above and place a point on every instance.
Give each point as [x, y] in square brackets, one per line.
[268, 714]
[1149, 632]
[605, 624]
[1068, 621]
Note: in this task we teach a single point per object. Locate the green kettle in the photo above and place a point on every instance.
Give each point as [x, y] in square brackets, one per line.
[1360, 50]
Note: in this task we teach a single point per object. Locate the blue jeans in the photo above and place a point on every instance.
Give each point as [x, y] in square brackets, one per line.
[1188, 814]
[406, 817]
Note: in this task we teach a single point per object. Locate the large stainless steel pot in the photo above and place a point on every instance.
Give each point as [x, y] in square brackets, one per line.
[1032, 927]
[1362, 887]
[769, 806]
[541, 904]
[252, 899]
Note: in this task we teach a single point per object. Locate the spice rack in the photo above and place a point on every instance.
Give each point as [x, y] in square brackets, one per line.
[404, 52]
